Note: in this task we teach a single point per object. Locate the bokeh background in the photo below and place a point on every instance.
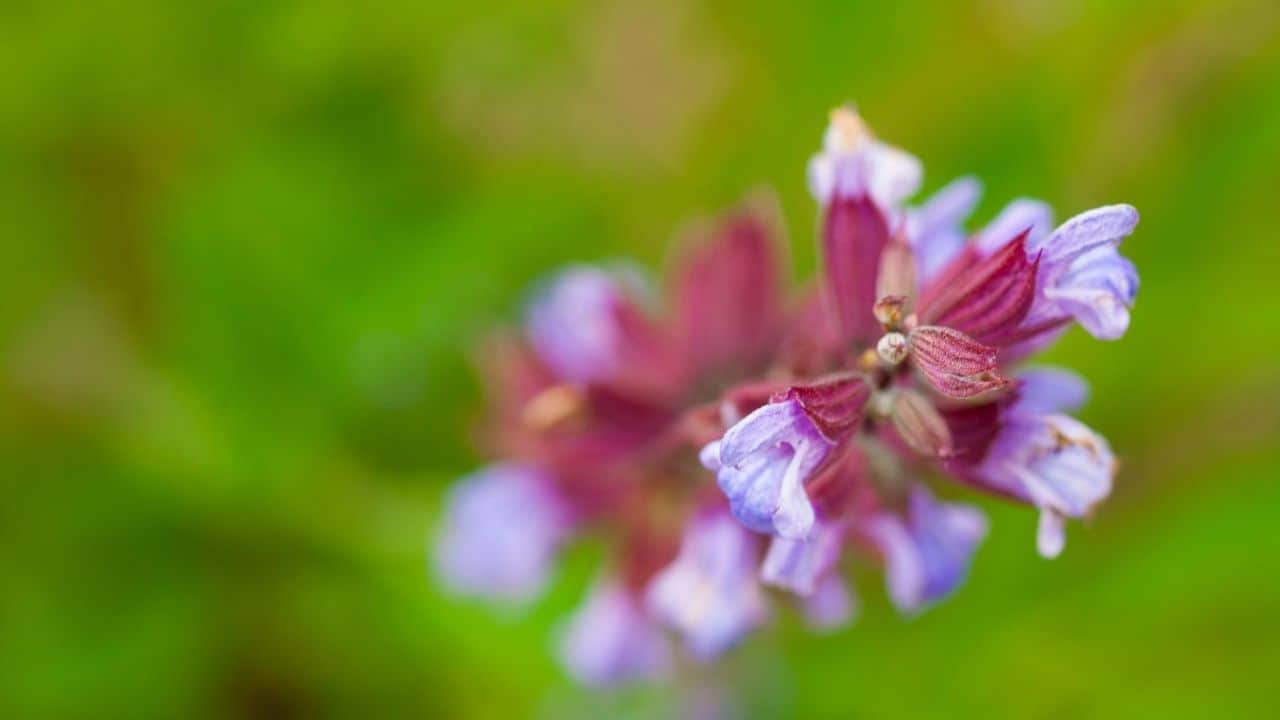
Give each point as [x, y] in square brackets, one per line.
[248, 247]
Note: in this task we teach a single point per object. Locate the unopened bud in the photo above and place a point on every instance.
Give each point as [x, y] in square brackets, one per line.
[897, 272]
[889, 311]
[892, 348]
[920, 425]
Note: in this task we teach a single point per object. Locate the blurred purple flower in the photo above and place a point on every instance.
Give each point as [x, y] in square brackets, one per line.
[500, 532]
[927, 548]
[710, 593]
[610, 639]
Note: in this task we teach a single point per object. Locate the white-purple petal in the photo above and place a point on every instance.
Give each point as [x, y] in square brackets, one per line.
[853, 162]
[709, 593]
[610, 639]
[500, 532]
[764, 462]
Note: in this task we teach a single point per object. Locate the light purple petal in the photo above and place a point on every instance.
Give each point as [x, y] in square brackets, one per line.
[1046, 390]
[831, 606]
[765, 460]
[1097, 289]
[1051, 535]
[928, 551]
[1055, 462]
[1021, 214]
[800, 565]
[573, 325]
[936, 228]
[609, 639]
[709, 593]
[1100, 227]
[500, 532]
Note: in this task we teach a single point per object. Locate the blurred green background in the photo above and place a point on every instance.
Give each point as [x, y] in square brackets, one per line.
[248, 247]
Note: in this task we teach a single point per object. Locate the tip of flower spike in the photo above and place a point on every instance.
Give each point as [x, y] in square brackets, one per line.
[848, 131]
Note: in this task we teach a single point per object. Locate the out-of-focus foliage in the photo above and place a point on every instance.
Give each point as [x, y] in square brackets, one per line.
[249, 246]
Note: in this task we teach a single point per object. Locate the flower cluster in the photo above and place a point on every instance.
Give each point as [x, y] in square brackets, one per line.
[735, 446]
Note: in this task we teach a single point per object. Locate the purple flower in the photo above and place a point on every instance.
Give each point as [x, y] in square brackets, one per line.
[764, 460]
[709, 593]
[807, 568]
[927, 550]
[853, 162]
[610, 639]
[1050, 459]
[1097, 289]
[800, 565]
[935, 229]
[814, 412]
[573, 325]
[1083, 277]
[500, 531]
[762, 463]
[832, 605]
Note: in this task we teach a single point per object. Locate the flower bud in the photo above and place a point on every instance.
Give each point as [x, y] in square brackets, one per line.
[889, 311]
[919, 424]
[897, 276]
[892, 348]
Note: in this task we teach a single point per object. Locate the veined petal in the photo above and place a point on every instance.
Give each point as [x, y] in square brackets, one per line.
[834, 403]
[919, 424]
[610, 639]
[991, 300]
[955, 364]
[500, 532]
[709, 593]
